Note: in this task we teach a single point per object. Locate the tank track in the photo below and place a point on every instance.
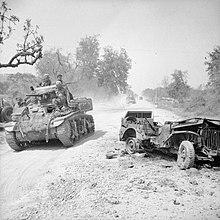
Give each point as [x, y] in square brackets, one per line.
[92, 129]
[63, 134]
[12, 141]
[75, 128]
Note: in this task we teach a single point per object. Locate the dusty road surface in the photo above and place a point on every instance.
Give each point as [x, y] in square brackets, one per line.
[52, 182]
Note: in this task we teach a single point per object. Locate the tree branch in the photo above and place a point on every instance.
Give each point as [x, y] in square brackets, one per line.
[30, 58]
[30, 50]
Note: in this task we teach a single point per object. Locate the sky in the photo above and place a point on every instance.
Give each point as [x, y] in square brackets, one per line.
[158, 35]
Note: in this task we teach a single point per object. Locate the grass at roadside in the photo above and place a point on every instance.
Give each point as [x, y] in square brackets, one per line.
[185, 111]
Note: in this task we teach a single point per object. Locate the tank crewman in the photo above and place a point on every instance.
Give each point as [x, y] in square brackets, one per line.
[33, 99]
[60, 78]
[19, 102]
[61, 96]
[46, 80]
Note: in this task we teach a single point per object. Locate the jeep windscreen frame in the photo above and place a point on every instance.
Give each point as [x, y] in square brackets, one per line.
[140, 114]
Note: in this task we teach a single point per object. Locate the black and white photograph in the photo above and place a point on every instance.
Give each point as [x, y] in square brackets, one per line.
[109, 109]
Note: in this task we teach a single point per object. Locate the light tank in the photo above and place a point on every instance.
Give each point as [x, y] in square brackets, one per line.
[38, 120]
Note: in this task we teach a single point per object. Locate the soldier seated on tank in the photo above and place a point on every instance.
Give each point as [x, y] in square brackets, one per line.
[46, 81]
[60, 78]
[61, 96]
[19, 102]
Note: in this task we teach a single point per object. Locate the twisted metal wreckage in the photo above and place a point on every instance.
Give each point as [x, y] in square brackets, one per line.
[192, 140]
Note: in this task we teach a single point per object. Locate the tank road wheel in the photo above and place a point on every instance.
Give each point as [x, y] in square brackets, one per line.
[131, 145]
[186, 155]
[64, 134]
[12, 141]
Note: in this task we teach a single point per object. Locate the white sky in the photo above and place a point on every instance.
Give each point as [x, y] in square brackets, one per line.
[159, 35]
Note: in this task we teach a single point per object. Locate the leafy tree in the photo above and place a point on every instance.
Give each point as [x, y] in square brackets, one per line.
[90, 73]
[178, 88]
[87, 56]
[82, 66]
[214, 69]
[155, 94]
[197, 100]
[19, 84]
[113, 70]
[165, 82]
[149, 93]
[3, 87]
[54, 63]
[30, 50]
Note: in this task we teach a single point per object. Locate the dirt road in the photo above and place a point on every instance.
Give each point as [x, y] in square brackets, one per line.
[51, 182]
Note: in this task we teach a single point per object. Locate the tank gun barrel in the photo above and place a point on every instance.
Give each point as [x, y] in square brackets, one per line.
[36, 95]
[68, 83]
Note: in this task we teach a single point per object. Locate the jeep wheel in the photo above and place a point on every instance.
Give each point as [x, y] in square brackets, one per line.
[6, 113]
[186, 155]
[131, 145]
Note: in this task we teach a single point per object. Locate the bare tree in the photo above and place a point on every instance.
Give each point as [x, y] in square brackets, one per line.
[30, 50]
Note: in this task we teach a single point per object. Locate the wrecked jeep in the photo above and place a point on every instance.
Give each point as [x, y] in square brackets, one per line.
[192, 140]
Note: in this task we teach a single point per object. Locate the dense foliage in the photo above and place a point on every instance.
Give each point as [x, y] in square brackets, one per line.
[17, 85]
[203, 101]
[90, 72]
[178, 88]
[213, 69]
[113, 70]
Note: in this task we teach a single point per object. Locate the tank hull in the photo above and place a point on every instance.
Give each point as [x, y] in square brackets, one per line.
[67, 129]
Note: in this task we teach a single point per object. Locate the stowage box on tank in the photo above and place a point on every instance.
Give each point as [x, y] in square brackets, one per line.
[39, 121]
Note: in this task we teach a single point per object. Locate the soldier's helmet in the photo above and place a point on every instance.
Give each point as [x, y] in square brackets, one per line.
[46, 76]
[19, 99]
[58, 84]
